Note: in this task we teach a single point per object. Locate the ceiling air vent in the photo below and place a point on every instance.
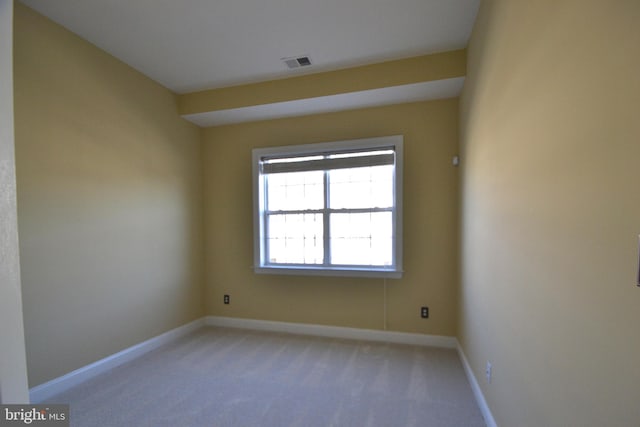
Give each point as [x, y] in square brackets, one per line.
[297, 62]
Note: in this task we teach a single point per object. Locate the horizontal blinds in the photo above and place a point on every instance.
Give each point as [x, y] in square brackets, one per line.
[359, 161]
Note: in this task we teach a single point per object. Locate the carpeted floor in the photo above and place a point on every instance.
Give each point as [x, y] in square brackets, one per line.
[230, 377]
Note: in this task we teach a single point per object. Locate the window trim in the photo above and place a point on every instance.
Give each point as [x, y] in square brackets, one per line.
[395, 271]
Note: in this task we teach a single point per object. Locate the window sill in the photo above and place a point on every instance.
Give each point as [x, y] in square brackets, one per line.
[335, 272]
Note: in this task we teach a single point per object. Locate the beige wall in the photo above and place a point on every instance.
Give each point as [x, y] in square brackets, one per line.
[109, 202]
[13, 366]
[418, 69]
[551, 212]
[430, 223]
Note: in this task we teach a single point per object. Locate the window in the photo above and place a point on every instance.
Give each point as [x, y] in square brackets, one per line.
[330, 209]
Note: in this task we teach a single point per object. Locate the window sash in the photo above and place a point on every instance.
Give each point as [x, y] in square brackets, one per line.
[326, 213]
[326, 240]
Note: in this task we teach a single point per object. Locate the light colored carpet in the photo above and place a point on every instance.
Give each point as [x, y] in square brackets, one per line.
[230, 377]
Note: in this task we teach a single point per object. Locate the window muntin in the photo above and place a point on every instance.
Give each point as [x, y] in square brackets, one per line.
[364, 239]
[295, 191]
[362, 187]
[295, 239]
[332, 208]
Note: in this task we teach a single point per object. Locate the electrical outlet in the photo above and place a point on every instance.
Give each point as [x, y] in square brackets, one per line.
[424, 312]
[488, 372]
[226, 299]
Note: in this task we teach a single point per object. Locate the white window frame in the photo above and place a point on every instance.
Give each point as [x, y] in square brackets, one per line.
[260, 263]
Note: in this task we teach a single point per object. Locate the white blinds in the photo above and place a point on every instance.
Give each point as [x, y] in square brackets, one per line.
[328, 161]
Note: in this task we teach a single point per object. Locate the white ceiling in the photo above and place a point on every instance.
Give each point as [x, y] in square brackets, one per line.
[190, 45]
[440, 89]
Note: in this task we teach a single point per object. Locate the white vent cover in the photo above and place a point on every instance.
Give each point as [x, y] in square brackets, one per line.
[297, 62]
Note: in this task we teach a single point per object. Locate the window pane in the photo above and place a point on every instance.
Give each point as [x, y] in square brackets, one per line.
[362, 238]
[295, 190]
[367, 187]
[295, 239]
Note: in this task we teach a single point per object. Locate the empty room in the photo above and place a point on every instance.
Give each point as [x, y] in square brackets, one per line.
[320, 213]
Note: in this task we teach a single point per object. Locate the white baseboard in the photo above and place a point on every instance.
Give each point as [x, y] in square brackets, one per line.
[334, 331]
[477, 391]
[44, 391]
